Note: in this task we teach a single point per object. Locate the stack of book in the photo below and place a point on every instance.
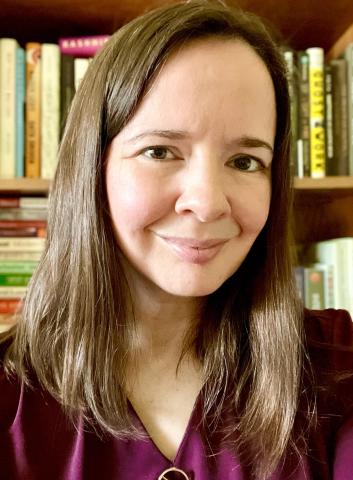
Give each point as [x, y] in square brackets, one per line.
[321, 90]
[22, 241]
[37, 84]
[325, 278]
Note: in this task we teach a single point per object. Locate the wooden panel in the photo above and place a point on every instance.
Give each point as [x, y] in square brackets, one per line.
[323, 215]
[302, 23]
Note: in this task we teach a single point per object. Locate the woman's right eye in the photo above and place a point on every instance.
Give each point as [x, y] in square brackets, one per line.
[158, 153]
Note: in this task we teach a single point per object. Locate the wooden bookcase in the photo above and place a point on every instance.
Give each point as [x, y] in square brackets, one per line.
[323, 208]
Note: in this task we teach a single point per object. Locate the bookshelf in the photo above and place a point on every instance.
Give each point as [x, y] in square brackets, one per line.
[323, 208]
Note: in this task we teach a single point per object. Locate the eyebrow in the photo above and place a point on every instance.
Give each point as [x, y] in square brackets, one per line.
[245, 141]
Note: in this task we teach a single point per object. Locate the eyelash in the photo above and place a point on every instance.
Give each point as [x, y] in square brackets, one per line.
[167, 150]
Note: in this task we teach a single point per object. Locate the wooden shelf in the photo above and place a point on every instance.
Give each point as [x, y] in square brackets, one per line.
[322, 184]
[24, 185]
[301, 23]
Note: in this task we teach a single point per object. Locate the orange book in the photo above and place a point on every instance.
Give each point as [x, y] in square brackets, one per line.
[33, 109]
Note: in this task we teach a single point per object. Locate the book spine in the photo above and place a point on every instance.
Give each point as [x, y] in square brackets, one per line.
[80, 68]
[23, 214]
[50, 105]
[317, 112]
[329, 119]
[12, 292]
[13, 244]
[86, 46]
[22, 223]
[33, 96]
[14, 280]
[349, 58]
[289, 57]
[8, 48]
[10, 305]
[67, 88]
[18, 268]
[24, 202]
[20, 107]
[339, 166]
[314, 288]
[304, 112]
[23, 232]
[18, 255]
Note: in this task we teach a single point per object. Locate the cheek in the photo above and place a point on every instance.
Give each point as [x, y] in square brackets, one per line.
[134, 200]
[252, 212]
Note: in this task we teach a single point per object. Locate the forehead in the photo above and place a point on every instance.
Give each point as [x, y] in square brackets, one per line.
[211, 81]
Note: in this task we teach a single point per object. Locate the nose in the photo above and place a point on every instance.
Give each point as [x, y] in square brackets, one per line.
[203, 192]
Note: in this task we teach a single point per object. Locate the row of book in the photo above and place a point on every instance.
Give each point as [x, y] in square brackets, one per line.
[37, 84]
[321, 93]
[22, 239]
[325, 277]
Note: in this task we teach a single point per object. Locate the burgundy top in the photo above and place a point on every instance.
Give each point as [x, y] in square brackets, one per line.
[38, 443]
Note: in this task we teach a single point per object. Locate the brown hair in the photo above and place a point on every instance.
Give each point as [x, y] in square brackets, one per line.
[74, 331]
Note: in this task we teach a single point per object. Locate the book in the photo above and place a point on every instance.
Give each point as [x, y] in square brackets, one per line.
[20, 214]
[17, 267]
[329, 119]
[12, 292]
[13, 244]
[50, 109]
[8, 47]
[9, 305]
[14, 280]
[20, 111]
[80, 68]
[18, 255]
[67, 88]
[33, 110]
[348, 56]
[23, 232]
[303, 143]
[339, 163]
[85, 46]
[339, 254]
[317, 112]
[314, 287]
[289, 57]
[24, 202]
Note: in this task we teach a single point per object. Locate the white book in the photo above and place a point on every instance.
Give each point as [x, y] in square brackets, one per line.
[22, 244]
[80, 67]
[50, 109]
[339, 253]
[12, 292]
[20, 256]
[8, 48]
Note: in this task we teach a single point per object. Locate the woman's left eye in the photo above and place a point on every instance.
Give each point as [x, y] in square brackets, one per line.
[158, 153]
[247, 163]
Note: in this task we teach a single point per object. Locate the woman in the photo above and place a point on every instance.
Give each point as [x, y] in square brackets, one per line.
[162, 336]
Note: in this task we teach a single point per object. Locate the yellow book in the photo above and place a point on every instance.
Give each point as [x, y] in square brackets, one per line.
[317, 112]
[33, 110]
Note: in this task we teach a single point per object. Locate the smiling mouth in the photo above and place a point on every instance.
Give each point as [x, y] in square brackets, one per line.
[195, 251]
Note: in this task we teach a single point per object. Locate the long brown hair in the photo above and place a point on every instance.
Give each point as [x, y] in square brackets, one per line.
[75, 333]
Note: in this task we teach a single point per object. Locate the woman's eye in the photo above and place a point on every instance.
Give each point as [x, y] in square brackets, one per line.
[158, 153]
[247, 163]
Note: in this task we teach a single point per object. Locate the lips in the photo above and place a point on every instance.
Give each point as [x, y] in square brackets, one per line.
[193, 250]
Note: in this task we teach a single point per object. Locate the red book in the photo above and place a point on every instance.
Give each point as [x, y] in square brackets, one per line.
[9, 305]
[22, 223]
[86, 46]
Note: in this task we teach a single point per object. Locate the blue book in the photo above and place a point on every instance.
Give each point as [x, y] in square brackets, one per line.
[20, 107]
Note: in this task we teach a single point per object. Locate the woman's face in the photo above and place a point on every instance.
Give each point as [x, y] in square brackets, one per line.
[188, 178]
